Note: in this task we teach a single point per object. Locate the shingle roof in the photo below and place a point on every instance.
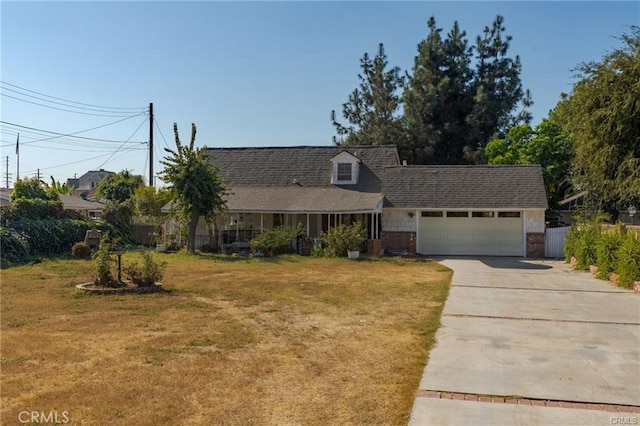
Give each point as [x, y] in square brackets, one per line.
[310, 166]
[298, 179]
[473, 187]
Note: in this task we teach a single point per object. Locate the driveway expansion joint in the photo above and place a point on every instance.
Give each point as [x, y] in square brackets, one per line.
[540, 319]
[560, 290]
[519, 400]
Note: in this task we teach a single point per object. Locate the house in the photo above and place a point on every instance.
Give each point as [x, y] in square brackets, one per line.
[428, 210]
[86, 185]
[90, 209]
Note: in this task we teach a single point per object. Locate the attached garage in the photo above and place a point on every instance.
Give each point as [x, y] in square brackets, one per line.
[490, 233]
[464, 210]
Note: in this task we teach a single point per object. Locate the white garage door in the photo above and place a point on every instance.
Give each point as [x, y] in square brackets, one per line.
[491, 233]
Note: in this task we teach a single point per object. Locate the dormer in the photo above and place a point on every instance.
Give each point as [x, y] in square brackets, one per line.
[345, 169]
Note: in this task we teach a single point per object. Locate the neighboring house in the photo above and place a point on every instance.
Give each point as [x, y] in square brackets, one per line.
[574, 205]
[88, 181]
[429, 210]
[88, 208]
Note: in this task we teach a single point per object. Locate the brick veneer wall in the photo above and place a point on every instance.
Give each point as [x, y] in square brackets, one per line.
[535, 244]
[374, 248]
[401, 241]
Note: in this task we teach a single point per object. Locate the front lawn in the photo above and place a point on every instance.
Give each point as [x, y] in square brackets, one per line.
[289, 340]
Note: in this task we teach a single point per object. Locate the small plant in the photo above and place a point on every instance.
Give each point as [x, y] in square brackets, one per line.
[344, 238]
[628, 264]
[80, 250]
[150, 273]
[104, 261]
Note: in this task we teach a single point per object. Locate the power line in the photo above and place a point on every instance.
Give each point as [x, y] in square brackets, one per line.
[69, 101]
[64, 104]
[120, 147]
[59, 135]
[115, 114]
[159, 130]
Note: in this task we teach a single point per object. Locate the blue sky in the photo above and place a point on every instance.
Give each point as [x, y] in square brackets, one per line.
[247, 73]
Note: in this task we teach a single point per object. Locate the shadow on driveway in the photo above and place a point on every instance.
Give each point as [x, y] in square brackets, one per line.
[502, 262]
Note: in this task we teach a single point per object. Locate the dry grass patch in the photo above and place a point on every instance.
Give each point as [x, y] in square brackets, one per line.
[235, 341]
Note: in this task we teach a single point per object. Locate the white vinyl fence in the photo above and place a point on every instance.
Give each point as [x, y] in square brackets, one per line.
[554, 242]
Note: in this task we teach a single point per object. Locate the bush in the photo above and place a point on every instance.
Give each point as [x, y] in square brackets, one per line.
[81, 251]
[628, 260]
[344, 238]
[51, 236]
[103, 261]
[33, 208]
[14, 247]
[207, 248]
[149, 273]
[606, 249]
[276, 241]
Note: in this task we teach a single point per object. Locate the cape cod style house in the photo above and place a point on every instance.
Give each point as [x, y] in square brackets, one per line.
[429, 210]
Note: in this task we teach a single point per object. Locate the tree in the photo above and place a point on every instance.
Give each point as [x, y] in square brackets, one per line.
[437, 98]
[372, 110]
[547, 145]
[149, 200]
[497, 88]
[33, 188]
[119, 187]
[60, 188]
[450, 110]
[198, 188]
[603, 120]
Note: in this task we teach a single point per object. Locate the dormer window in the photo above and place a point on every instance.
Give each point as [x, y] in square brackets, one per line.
[344, 172]
[345, 169]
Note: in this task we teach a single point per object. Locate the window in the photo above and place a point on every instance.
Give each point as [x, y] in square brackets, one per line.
[431, 214]
[482, 214]
[457, 214]
[508, 214]
[93, 185]
[344, 171]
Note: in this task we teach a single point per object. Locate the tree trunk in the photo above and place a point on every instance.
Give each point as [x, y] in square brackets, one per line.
[191, 236]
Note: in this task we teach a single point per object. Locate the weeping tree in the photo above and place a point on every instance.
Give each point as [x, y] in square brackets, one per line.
[199, 190]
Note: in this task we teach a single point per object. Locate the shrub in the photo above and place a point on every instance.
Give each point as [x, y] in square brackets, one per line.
[207, 248]
[81, 251]
[606, 249]
[14, 247]
[104, 261]
[149, 273]
[51, 236]
[581, 243]
[276, 241]
[628, 263]
[344, 238]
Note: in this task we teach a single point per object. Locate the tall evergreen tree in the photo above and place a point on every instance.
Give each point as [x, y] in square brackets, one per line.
[437, 97]
[497, 89]
[371, 110]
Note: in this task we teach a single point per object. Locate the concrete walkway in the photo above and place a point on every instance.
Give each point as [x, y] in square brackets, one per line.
[532, 342]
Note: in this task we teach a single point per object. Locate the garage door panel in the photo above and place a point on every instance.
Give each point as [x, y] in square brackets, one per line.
[494, 236]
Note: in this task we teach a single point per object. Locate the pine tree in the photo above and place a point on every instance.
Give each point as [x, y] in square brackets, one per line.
[437, 97]
[372, 109]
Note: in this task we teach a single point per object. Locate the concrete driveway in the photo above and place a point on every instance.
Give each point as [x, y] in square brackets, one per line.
[532, 342]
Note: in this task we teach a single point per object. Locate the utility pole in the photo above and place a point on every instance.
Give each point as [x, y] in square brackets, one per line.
[151, 144]
[7, 174]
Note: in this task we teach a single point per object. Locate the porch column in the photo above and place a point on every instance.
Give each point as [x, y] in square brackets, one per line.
[237, 226]
[307, 225]
[261, 223]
